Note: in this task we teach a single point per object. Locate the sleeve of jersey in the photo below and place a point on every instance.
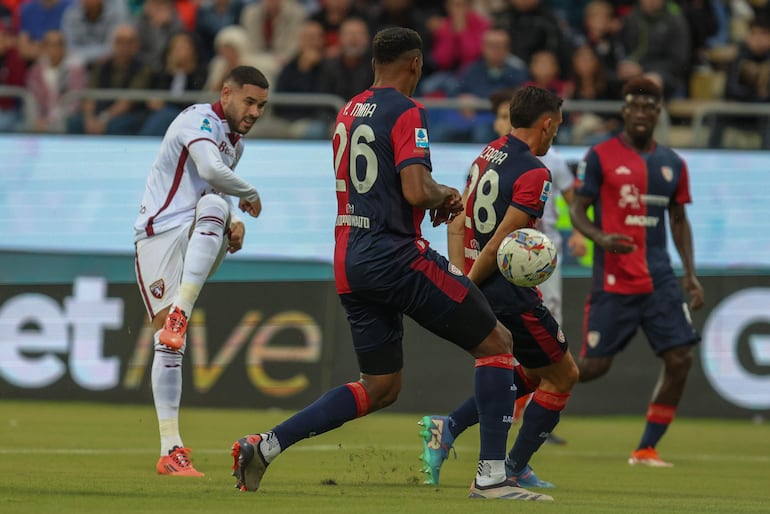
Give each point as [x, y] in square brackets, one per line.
[682, 193]
[409, 138]
[205, 154]
[531, 190]
[589, 175]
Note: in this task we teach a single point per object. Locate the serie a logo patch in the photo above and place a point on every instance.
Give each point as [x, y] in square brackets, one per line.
[421, 138]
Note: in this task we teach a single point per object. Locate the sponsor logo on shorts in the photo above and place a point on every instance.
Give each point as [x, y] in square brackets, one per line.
[560, 337]
[592, 338]
[158, 289]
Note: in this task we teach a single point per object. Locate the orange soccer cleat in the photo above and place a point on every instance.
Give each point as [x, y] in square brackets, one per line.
[174, 329]
[648, 457]
[177, 463]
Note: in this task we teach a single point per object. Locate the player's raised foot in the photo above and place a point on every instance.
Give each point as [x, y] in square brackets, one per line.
[436, 442]
[506, 490]
[526, 477]
[648, 457]
[177, 463]
[174, 329]
[249, 464]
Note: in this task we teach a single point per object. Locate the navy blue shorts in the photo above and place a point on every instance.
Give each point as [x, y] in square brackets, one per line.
[537, 338]
[613, 319]
[430, 291]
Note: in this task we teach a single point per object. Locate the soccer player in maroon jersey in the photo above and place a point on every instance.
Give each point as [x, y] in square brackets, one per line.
[507, 189]
[632, 181]
[384, 269]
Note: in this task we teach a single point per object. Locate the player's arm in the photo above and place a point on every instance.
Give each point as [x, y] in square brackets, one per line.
[213, 170]
[576, 242]
[681, 233]
[421, 191]
[613, 243]
[486, 264]
[456, 237]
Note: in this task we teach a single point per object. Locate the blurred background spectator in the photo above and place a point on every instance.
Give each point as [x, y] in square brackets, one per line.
[36, 17]
[330, 16]
[12, 72]
[122, 70]
[232, 49]
[183, 71]
[273, 27]
[350, 71]
[213, 16]
[87, 25]
[54, 73]
[157, 23]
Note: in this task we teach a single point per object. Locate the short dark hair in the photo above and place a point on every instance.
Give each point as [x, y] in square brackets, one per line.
[529, 103]
[500, 97]
[642, 86]
[391, 43]
[243, 75]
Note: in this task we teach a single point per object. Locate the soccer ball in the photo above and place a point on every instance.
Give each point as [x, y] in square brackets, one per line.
[526, 257]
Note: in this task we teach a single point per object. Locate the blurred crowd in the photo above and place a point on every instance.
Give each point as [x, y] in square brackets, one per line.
[580, 49]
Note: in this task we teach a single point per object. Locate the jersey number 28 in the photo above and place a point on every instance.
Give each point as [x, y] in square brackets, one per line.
[484, 192]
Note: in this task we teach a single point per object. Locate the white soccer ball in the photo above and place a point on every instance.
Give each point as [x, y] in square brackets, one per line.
[526, 257]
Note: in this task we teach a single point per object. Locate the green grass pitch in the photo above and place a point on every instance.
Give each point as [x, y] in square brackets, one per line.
[83, 458]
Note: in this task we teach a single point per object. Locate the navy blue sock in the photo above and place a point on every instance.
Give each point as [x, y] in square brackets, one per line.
[540, 418]
[464, 416]
[495, 395]
[328, 412]
[659, 417]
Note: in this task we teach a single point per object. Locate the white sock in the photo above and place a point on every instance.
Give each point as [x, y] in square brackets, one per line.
[490, 472]
[203, 250]
[270, 446]
[167, 394]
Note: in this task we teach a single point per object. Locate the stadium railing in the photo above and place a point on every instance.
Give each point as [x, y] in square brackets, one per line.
[693, 115]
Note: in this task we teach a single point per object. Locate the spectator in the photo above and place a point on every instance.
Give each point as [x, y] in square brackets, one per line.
[213, 16]
[402, 13]
[748, 80]
[649, 24]
[232, 49]
[457, 41]
[36, 17]
[331, 16]
[87, 25]
[157, 23]
[123, 70]
[351, 71]
[703, 22]
[495, 70]
[532, 26]
[303, 75]
[184, 70]
[12, 73]
[570, 13]
[589, 82]
[54, 74]
[544, 73]
[273, 27]
[601, 30]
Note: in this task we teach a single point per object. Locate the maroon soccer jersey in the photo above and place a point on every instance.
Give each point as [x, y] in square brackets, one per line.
[632, 192]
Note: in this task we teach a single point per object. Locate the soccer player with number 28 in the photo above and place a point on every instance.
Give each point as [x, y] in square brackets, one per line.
[185, 226]
[632, 182]
[385, 269]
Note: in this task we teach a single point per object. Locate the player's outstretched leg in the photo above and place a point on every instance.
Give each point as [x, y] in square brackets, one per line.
[437, 440]
[249, 461]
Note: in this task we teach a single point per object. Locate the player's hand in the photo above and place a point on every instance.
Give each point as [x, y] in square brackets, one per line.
[237, 232]
[577, 244]
[446, 212]
[695, 290]
[253, 208]
[616, 243]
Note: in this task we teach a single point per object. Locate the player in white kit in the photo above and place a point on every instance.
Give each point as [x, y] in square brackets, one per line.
[185, 226]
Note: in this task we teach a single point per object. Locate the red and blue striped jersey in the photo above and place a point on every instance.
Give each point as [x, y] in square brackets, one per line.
[632, 192]
[377, 134]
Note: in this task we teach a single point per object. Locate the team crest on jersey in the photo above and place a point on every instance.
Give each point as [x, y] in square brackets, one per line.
[667, 173]
[546, 192]
[206, 125]
[454, 270]
[592, 338]
[158, 289]
[421, 138]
